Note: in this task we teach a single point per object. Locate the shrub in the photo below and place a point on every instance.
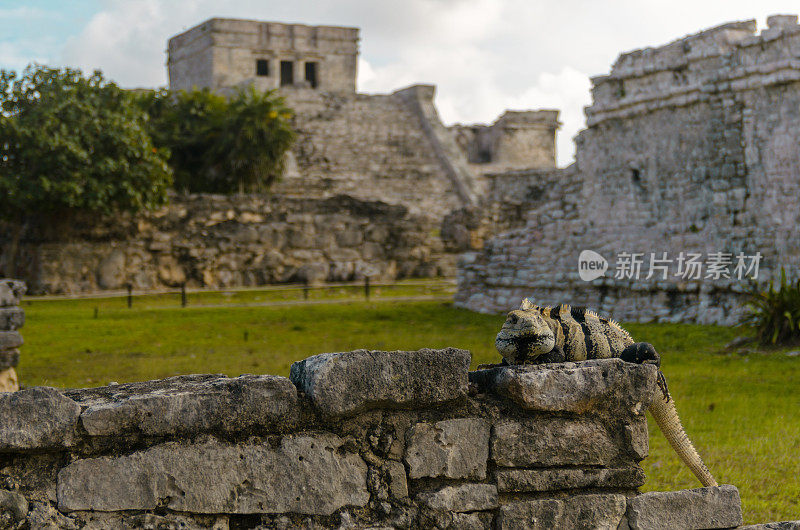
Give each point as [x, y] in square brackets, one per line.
[70, 143]
[775, 314]
[221, 145]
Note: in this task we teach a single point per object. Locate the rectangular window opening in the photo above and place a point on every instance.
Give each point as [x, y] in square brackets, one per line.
[262, 67]
[311, 74]
[287, 73]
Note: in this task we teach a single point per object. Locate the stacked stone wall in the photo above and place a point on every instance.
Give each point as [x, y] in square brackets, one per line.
[12, 318]
[363, 439]
[689, 148]
[218, 241]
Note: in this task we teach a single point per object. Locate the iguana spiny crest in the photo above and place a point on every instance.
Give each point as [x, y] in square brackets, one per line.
[533, 335]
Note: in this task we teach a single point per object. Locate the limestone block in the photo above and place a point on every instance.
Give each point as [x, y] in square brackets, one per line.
[170, 272]
[346, 383]
[45, 517]
[398, 485]
[471, 521]
[551, 441]
[8, 358]
[37, 418]
[714, 507]
[461, 498]
[11, 318]
[349, 237]
[457, 448]
[10, 292]
[13, 506]
[313, 273]
[144, 521]
[300, 237]
[8, 380]
[111, 272]
[190, 404]
[305, 474]
[342, 254]
[636, 437]
[607, 384]
[10, 340]
[521, 480]
[595, 512]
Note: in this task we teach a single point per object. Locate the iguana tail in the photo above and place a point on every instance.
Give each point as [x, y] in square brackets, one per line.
[663, 410]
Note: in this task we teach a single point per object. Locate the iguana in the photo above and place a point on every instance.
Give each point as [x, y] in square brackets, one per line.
[533, 335]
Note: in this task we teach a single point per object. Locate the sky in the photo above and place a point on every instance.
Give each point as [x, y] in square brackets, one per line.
[484, 56]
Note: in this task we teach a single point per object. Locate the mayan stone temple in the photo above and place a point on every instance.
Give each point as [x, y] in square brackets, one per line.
[225, 53]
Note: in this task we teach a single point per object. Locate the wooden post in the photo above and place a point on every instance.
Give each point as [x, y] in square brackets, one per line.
[130, 295]
[305, 289]
[183, 294]
[366, 287]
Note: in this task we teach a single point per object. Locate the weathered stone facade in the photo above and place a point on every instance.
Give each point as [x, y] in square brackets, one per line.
[224, 53]
[377, 147]
[220, 241]
[690, 147]
[363, 439]
[391, 147]
[516, 140]
[12, 318]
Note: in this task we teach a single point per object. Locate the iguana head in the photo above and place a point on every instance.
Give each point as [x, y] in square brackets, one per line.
[525, 335]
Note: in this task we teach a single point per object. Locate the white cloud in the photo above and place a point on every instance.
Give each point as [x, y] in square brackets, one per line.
[483, 55]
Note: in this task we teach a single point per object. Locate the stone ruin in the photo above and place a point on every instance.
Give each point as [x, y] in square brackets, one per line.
[358, 157]
[689, 147]
[224, 53]
[12, 318]
[362, 439]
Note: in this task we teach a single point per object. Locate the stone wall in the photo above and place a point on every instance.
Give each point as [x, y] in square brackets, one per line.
[218, 241]
[222, 53]
[363, 439]
[12, 318]
[516, 140]
[690, 147]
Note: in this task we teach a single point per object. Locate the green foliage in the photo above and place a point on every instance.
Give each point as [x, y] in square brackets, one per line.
[221, 145]
[72, 143]
[775, 314]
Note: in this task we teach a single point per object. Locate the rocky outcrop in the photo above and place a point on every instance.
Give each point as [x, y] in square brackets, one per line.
[361, 439]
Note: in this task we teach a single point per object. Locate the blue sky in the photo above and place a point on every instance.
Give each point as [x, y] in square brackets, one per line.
[484, 55]
[37, 30]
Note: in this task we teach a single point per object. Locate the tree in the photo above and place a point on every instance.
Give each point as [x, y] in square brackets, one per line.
[72, 144]
[221, 145]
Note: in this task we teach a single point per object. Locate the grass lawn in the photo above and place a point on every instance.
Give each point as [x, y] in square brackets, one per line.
[741, 411]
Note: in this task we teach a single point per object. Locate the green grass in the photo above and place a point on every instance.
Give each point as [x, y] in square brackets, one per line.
[742, 412]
